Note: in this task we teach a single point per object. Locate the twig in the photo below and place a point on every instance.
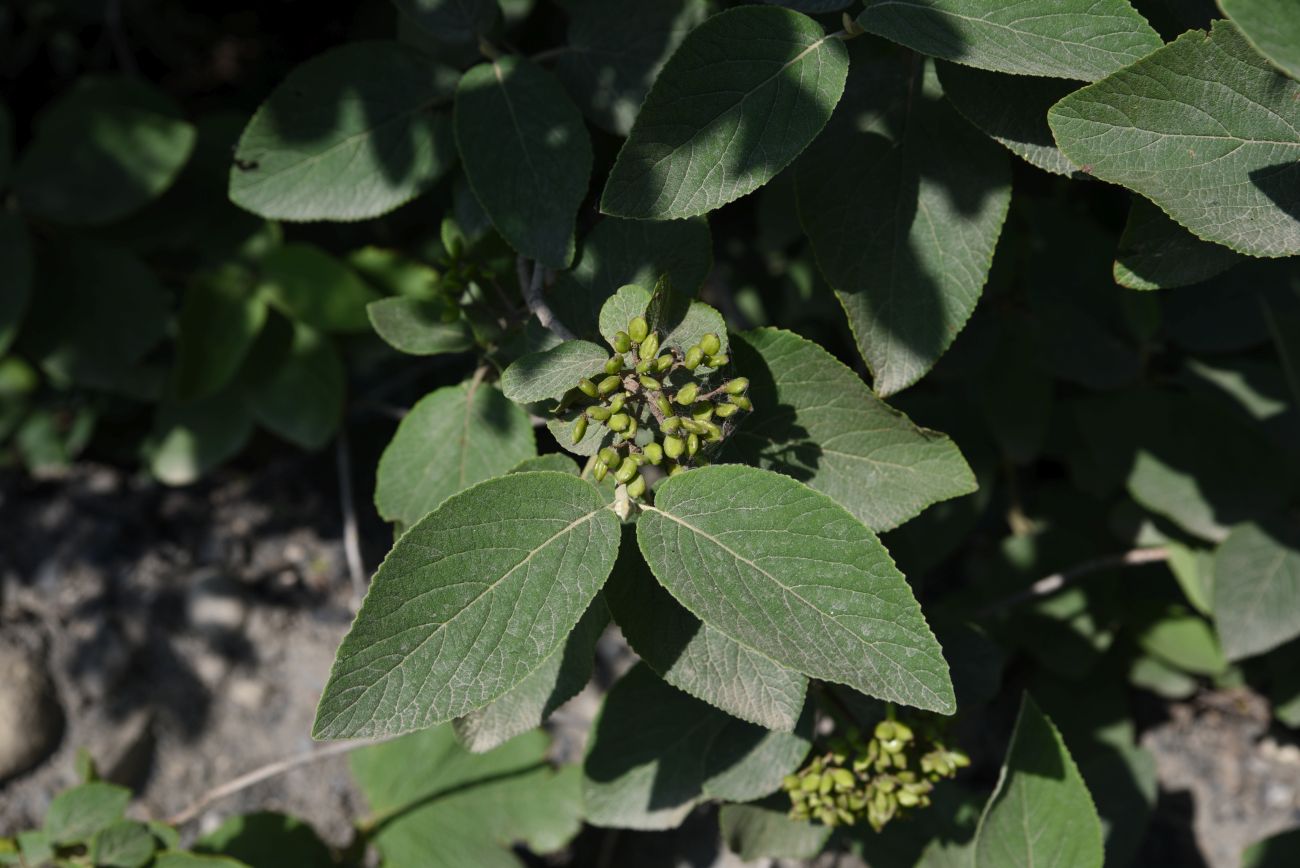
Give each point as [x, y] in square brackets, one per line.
[532, 290]
[1051, 584]
[266, 772]
[351, 538]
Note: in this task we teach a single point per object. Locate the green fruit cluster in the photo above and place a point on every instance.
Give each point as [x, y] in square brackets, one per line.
[876, 779]
[661, 409]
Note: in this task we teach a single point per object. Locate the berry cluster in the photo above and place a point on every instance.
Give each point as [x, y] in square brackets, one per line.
[660, 406]
[878, 779]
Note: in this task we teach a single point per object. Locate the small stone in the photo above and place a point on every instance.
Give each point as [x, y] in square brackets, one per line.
[31, 721]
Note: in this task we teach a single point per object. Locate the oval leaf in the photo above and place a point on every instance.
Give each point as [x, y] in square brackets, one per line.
[470, 601]
[551, 373]
[745, 93]
[1272, 26]
[787, 572]
[1257, 588]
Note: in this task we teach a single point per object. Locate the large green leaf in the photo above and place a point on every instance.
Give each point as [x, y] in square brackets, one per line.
[551, 373]
[219, 320]
[102, 151]
[1273, 28]
[196, 436]
[418, 327]
[124, 844]
[656, 752]
[740, 98]
[1041, 812]
[526, 153]
[764, 830]
[1081, 39]
[1257, 587]
[268, 840]
[697, 658]
[350, 134]
[618, 252]
[452, 21]
[76, 814]
[302, 398]
[787, 572]
[615, 51]
[683, 328]
[530, 702]
[454, 437]
[16, 278]
[470, 601]
[1010, 108]
[317, 289]
[903, 202]
[435, 805]
[1224, 166]
[1156, 253]
[815, 420]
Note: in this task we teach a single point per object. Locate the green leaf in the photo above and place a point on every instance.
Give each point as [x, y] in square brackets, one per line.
[1224, 167]
[452, 20]
[1272, 27]
[1012, 109]
[656, 752]
[526, 153]
[815, 420]
[1040, 812]
[551, 373]
[219, 320]
[695, 657]
[551, 461]
[102, 151]
[787, 572]
[1193, 569]
[1183, 640]
[418, 327]
[764, 830]
[1279, 851]
[740, 98]
[470, 601]
[16, 278]
[1156, 253]
[76, 814]
[454, 437]
[194, 437]
[532, 701]
[268, 840]
[1081, 39]
[124, 844]
[1257, 587]
[903, 202]
[435, 805]
[699, 319]
[350, 134]
[311, 286]
[120, 309]
[618, 252]
[302, 400]
[615, 52]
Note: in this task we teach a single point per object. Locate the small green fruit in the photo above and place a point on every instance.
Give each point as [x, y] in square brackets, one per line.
[665, 407]
[702, 412]
[638, 328]
[738, 386]
[648, 382]
[719, 360]
[622, 342]
[710, 344]
[726, 411]
[598, 472]
[600, 414]
[636, 488]
[609, 384]
[653, 452]
[608, 456]
[649, 347]
[615, 364]
[664, 362]
[694, 356]
[616, 402]
[741, 401]
[686, 394]
[671, 424]
[674, 446]
[692, 444]
[619, 422]
[626, 470]
[644, 366]
[587, 387]
[579, 428]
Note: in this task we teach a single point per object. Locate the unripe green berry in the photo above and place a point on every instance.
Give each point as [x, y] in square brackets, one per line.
[644, 366]
[636, 488]
[609, 384]
[701, 412]
[675, 469]
[587, 387]
[692, 444]
[719, 360]
[600, 414]
[615, 364]
[673, 447]
[619, 421]
[741, 401]
[686, 394]
[692, 426]
[843, 778]
[598, 472]
[694, 356]
[649, 347]
[648, 382]
[631, 427]
[653, 452]
[579, 428]
[608, 456]
[638, 328]
[711, 431]
[726, 411]
[738, 386]
[616, 402]
[626, 470]
[665, 407]
[671, 424]
[710, 344]
[622, 342]
[664, 362]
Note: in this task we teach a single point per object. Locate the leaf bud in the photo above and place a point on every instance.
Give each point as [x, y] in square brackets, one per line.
[653, 452]
[622, 342]
[619, 421]
[587, 387]
[579, 429]
[719, 360]
[738, 386]
[710, 344]
[673, 447]
[615, 364]
[609, 384]
[608, 456]
[686, 394]
[694, 356]
[649, 347]
[648, 382]
[600, 414]
[638, 328]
